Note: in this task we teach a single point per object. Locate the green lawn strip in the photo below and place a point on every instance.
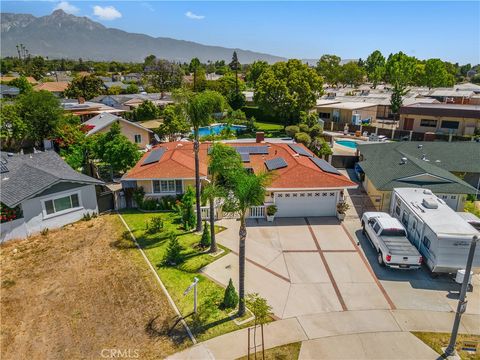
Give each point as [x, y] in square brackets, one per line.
[211, 321]
[287, 352]
[265, 126]
[438, 340]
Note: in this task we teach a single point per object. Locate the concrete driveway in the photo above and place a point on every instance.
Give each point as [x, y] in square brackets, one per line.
[301, 266]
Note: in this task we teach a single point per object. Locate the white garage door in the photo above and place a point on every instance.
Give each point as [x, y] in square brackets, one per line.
[309, 203]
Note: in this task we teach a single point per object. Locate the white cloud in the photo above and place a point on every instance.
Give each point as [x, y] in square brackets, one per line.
[67, 7]
[147, 6]
[193, 16]
[106, 12]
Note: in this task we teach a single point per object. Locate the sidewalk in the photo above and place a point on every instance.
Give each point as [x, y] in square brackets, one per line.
[370, 334]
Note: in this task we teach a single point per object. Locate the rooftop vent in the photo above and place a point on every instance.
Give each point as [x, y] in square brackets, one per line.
[403, 160]
[430, 203]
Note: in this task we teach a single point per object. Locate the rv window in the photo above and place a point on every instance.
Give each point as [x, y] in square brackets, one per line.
[405, 218]
[426, 242]
[393, 232]
[414, 224]
[397, 210]
[376, 228]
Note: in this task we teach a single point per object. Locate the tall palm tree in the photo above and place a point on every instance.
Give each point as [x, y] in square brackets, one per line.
[249, 190]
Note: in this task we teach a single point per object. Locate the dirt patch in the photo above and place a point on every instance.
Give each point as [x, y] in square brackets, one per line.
[74, 293]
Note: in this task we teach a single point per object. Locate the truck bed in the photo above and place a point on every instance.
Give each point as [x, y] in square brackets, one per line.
[399, 246]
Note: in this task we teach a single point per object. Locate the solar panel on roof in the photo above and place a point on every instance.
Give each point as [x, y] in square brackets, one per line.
[325, 166]
[253, 150]
[299, 150]
[154, 156]
[245, 157]
[276, 163]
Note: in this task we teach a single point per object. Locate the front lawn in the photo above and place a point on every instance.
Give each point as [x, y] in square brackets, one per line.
[265, 126]
[211, 321]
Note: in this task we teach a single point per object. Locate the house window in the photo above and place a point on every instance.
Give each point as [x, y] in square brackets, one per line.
[160, 186]
[61, 204]
[405, 218]
[426, 242]
[138, 138]
[446, 124]
[428, 123]
[324, 115]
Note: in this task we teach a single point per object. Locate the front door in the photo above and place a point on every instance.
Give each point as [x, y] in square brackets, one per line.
[408, 124]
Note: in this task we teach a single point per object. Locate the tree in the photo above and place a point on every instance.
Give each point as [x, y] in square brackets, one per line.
[396, 99]
[286, 89]
[186, 209]
[198, 109]
[114, 90]
[400, 69]
[131, 89]
[329, 68]
[259, 307]
[255, 70]
[352, 74]
[193, 68]
[230, 298]
[165, 75]
[205, 240]
[375, 67]
[173, 123]
[145, 111]
[174, 254]
[436, 74]
[303, 138]
[68, 131]
[22, 84]
[86, 87]
[222, 165]
[12, 127]
[115, 149]
[249, 190]
[235, 66]
[40, 111]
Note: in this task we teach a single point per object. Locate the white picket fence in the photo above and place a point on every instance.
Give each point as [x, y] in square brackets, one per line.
[255, 212]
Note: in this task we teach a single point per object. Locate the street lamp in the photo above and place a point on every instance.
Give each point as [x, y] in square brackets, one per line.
[462, 304]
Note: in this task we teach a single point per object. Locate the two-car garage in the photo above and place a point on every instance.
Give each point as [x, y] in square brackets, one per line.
[306, 203]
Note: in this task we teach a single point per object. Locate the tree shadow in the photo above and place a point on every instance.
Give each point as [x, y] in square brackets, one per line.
[170, 326]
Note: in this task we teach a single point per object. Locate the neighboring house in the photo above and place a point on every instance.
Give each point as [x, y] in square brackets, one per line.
[432, 165]
[7, 79]
[119, 84]
[128, 102]
[87, 109]
[452, 96]
[55, 87]
[440, 118]
[132, 77]
[7, 91]
[303, 185]
[151, 124]
[136, 133]
[47, 193]
[346, 112]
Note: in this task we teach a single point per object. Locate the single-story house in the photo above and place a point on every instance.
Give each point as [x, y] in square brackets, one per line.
[55, 87]
[454, 96]
[345, 112]
[440, 118]
[40, 191]
[304, 185]
[7, 79]
[441, 167]
[7, 91]
[108, 84]
[87, 109]
[135, 132]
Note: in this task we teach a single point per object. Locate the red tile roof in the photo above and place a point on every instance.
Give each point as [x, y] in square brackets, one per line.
[301, 173]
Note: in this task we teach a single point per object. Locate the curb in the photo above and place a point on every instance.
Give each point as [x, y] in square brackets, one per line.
[170, 300]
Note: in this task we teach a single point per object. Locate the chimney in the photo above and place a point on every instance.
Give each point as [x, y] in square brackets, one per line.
[260, 136]
[81, 100]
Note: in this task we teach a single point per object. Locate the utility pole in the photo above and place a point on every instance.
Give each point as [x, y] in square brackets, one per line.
[462, 304]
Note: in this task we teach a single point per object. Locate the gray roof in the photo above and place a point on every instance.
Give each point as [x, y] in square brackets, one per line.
[104, 119]
[9, 90]
[31, 174]
[383, 166]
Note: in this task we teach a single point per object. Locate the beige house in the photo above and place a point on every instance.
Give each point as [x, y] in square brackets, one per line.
[136, 133]
[440, 118]
[346, 112]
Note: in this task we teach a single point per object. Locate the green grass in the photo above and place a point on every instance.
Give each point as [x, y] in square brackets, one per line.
[470, 207]
[265, 126]
[438, 340]
[284, 352]
[210, 320]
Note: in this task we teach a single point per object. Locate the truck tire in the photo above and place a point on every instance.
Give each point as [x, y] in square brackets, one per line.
[363, 228]
[380, 259]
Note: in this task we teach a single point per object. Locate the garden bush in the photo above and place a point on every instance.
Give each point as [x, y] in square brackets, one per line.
[304, 128]
[173, 255]
[154, 225]
[206, 240]
[303, 138]
[292, 130]
[316, 130]
[230, 299]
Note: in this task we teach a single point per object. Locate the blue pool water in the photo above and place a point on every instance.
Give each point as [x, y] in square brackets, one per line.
[216, 129]
[348, 143]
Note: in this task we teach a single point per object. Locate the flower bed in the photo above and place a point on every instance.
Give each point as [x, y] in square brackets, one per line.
[10, 214]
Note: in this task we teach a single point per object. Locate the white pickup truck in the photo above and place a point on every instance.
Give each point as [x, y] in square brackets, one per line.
[389, 238]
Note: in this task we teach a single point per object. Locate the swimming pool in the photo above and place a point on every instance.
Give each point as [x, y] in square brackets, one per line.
[217, 128]
[348, 143]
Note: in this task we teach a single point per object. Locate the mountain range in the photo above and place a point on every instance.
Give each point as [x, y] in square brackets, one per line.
[62, 35]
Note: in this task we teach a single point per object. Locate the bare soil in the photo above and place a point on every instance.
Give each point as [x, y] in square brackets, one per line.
[82, 292]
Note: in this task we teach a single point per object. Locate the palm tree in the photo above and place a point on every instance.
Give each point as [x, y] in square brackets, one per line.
[249, 190]
[224, 161]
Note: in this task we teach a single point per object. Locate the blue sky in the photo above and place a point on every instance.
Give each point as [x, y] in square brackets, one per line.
[448, 30]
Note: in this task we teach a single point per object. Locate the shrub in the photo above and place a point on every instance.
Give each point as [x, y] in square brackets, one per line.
[154, 225]
[185, 208]
[87, 217]
[167, 202]
[304, 128]
[10, 214]
[230, 299]
[342, 207]
[44, 232]
[174, 252]
[303, 138]
[138, 195]
[150, 204]
[206, 239]
[292, 130]
[316, 130]
[259, 307]
[271, 210]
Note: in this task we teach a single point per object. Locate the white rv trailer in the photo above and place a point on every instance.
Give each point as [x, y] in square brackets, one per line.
[441, 235]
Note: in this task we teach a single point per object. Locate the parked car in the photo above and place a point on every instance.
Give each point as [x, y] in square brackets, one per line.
[389, 238]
